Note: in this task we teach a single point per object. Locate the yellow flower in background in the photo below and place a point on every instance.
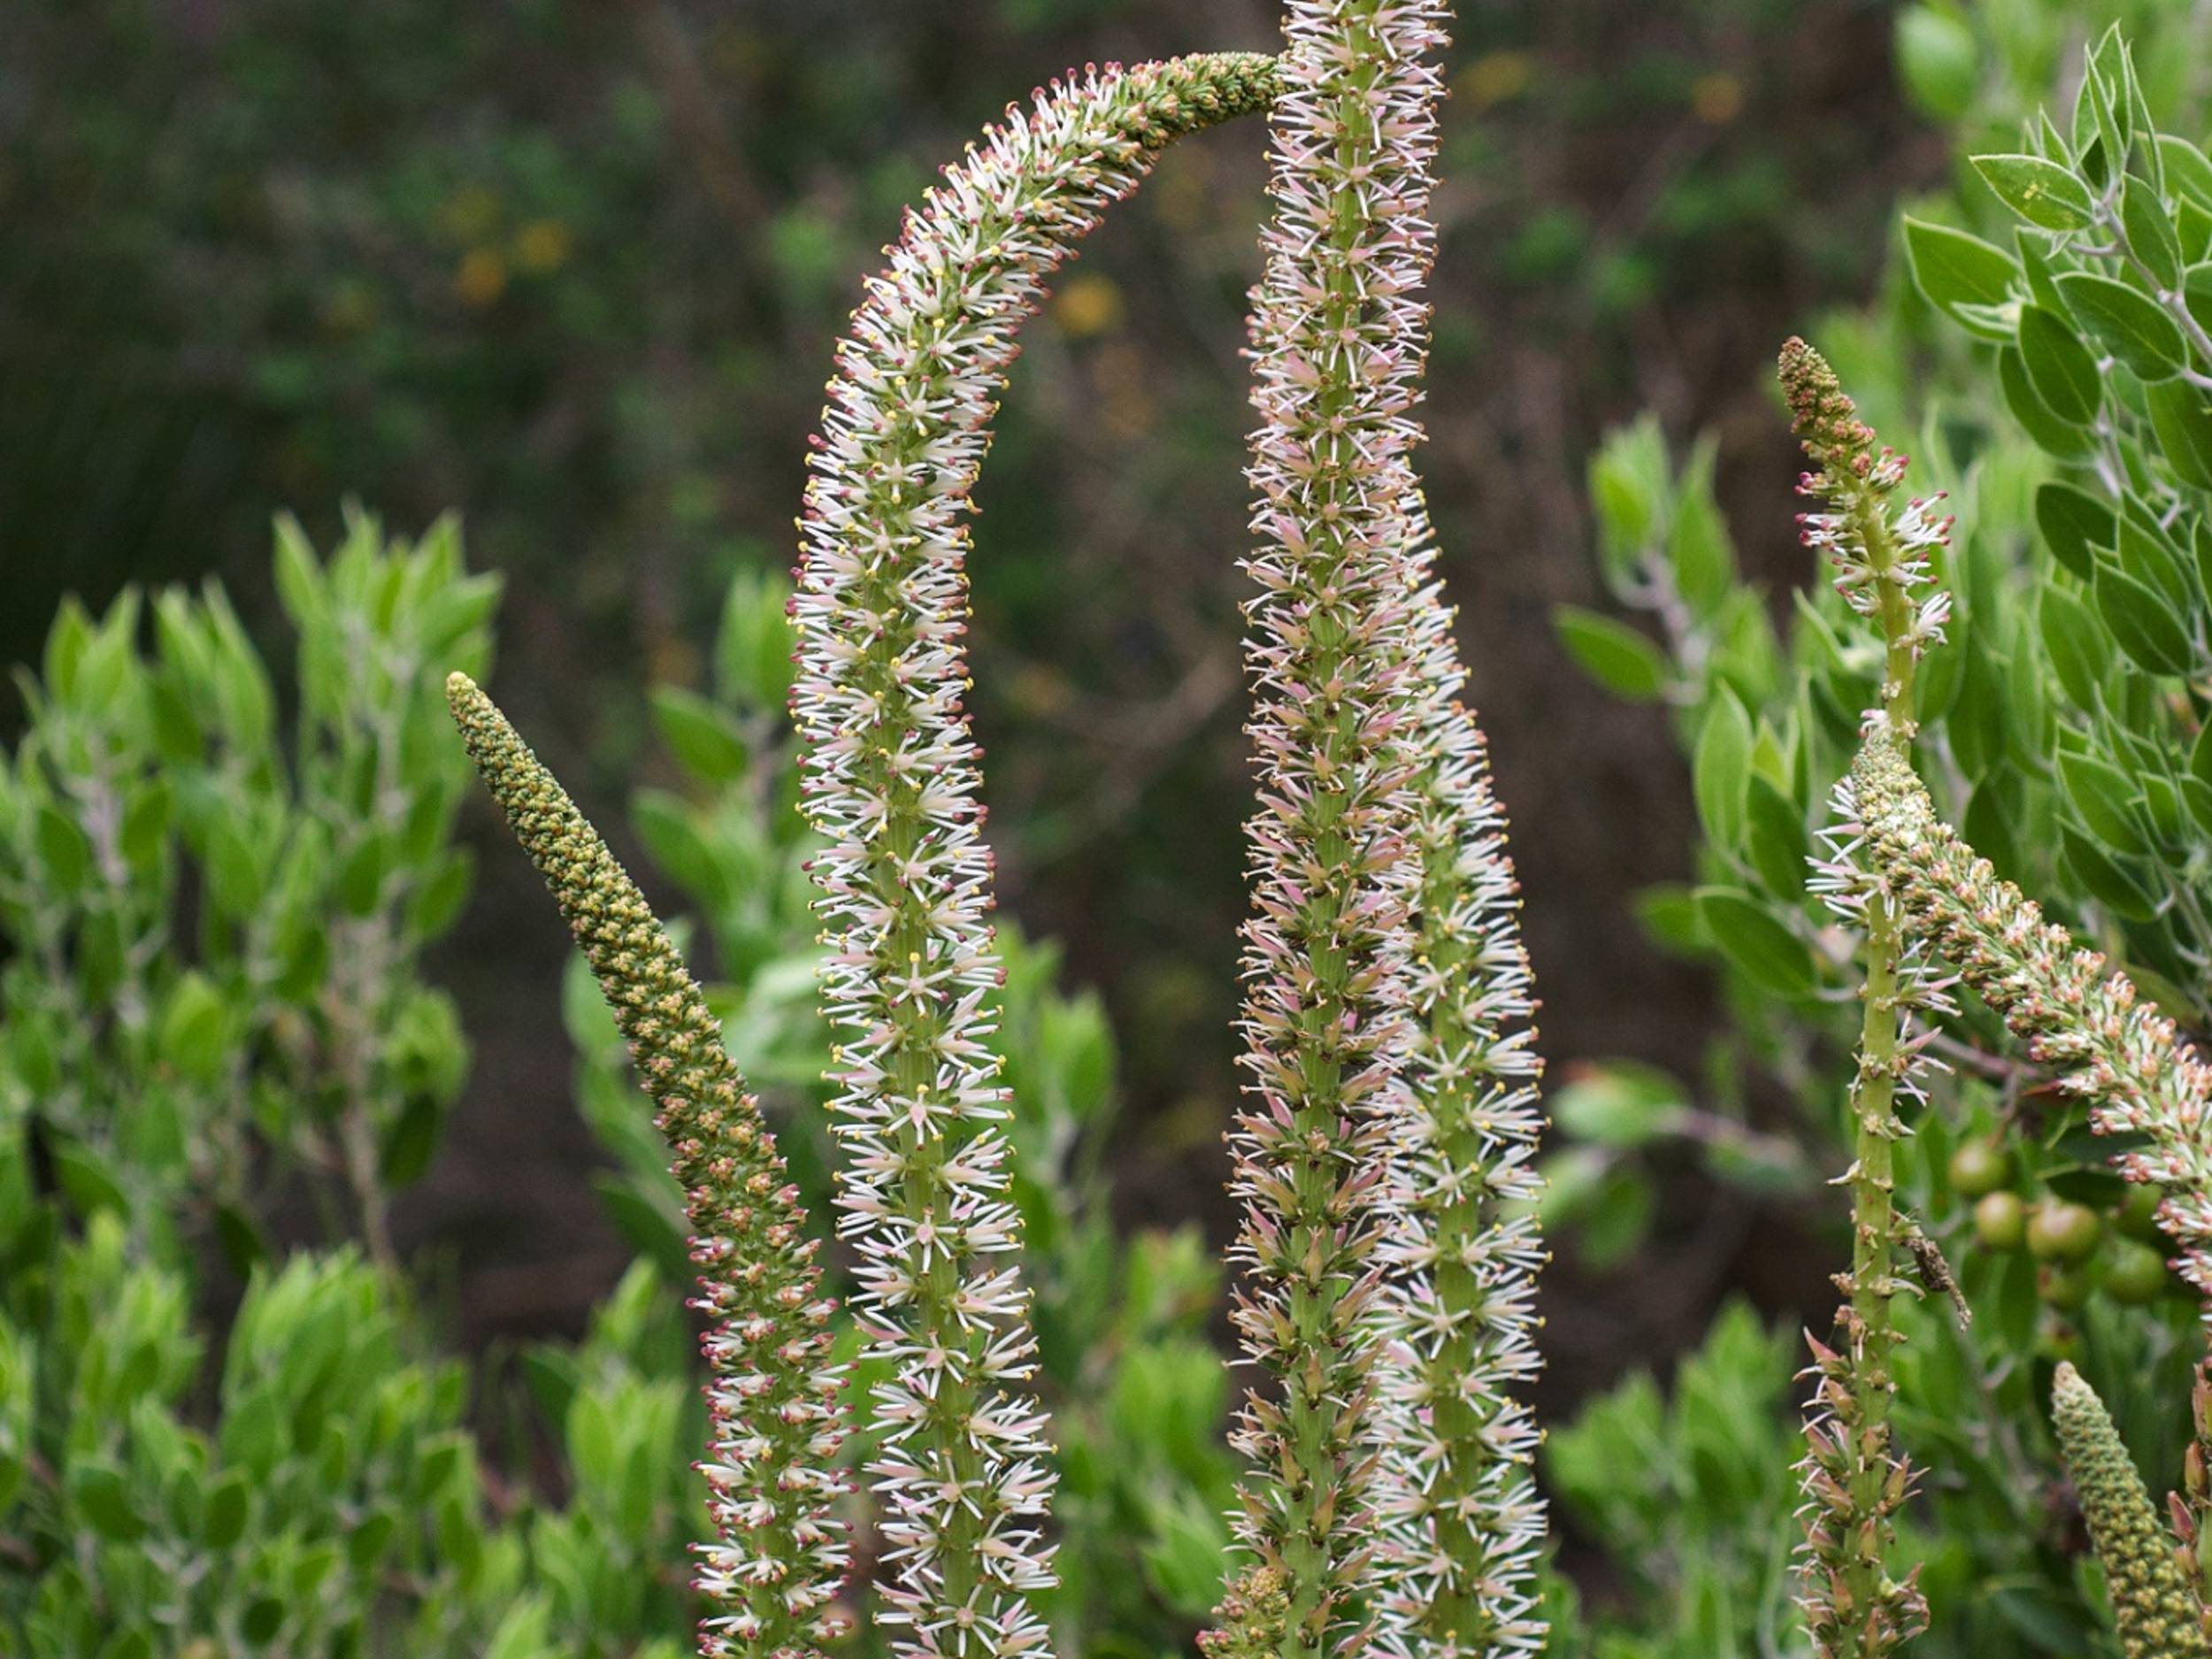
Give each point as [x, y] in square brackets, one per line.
[543, 245]
[1127, 407]
[469, 213]
[1494, 77]
[481, 279]
[1717, 99]
[1089, 305]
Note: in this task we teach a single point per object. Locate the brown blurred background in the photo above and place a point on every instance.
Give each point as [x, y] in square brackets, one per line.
[574, 268]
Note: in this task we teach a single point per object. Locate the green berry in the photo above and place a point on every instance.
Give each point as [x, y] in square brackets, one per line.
[2001, 1221]
[2134, 1273]
[2063, 1231]
[1980, 1167]
[2137, 1215]
[2062, 1286]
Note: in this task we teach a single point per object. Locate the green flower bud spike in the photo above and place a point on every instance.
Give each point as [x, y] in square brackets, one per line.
[773, 1575]
[2152, 1604]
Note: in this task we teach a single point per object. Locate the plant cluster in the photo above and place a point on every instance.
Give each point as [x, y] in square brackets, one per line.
[216, 1006]
[2011, 662]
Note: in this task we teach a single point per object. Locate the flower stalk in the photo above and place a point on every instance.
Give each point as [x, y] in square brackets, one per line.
[1855, 1483]
[891, 780]
[1338, 332]
[780, 1556]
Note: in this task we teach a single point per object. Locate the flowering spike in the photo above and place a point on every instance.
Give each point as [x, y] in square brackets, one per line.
[1458, 1314]
[2116, 1049]
[891, 780]
[1854, 1482]
[773, 1394]
[1881, 557]
[1338, 330]
[2153, 1603]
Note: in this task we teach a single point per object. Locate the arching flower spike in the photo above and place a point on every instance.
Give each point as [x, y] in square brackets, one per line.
[773, 1573]
[891, 781]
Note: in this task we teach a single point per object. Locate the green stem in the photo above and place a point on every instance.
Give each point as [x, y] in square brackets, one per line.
[1855, 1483]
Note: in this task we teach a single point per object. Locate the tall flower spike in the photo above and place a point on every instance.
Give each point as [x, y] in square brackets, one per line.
[2153, 1603]
[1457, 1315]
[773, 1393]
[891, 780]
[1337, 329]
[1854, 1482]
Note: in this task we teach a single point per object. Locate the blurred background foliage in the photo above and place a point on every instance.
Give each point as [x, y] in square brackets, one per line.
[573, 271]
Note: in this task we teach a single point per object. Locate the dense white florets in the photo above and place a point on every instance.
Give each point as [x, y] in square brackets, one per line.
[891, 781]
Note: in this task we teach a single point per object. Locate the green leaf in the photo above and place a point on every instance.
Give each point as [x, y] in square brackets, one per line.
[2105, 798]
[1954, 269]
[262, 1619]
[194, 1028]
[1668, 913]
[1618, 1103]
[1721, 767]
[2183, 421]
[236, 874]
[2041, 192]
[1776, 839]
[361, 877]
[89, 1183]
[2146, 555]
[2105, 880]
[2150, 233]
[2074, 524]
[2128, 324]
[99, 1493]
[1991, 813]
[228, 1501]
[2052, 435]
[1769, 954]
[1698, 545]
[239, 1235]
[2200, 754]
[1938, 61]
[670, 833]
[2142, 622]
[1612, 652]
[437, 905]
[702, 736]
[752, 653]
[410, 1142]
[2059, 367]
[63, 849]
[299, 575]
[2188, 173]
[2074, 643]
[649, 1224]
